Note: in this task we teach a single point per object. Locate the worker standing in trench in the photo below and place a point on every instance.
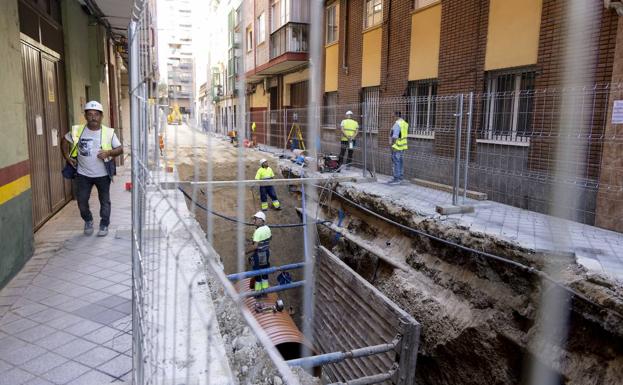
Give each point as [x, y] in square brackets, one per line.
[260, 249]
[264, 173]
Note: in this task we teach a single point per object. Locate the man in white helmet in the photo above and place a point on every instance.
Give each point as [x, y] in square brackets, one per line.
[91, 148]
[260, 249]
[264, 173]
[349, 128]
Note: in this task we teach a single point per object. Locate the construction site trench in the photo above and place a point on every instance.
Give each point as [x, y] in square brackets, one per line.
[478, 316]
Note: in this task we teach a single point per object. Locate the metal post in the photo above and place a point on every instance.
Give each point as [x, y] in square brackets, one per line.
[457, 151]
[468, 142]
[365, 151]
[156, 123]
[331, 358]
[136, 346]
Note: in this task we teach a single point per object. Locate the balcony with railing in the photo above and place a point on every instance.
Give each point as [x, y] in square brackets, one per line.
[292, 37]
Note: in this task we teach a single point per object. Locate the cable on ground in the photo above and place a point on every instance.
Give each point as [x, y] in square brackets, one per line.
[231, 219]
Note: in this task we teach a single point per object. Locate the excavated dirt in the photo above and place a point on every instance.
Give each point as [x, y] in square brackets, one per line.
[248, 359]
[478, 315]
[284, 246]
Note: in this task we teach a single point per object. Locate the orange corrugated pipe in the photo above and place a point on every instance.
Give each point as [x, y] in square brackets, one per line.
[279, 326]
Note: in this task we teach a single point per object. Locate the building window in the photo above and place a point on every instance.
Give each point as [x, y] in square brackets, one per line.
[279, 14]
[261, 29]
[249, 39]
[508, 105]
[329, 117]
[237, 17]
[370, 109]
[421, 108]
[331, 28]
[417, 4]
[374, 13]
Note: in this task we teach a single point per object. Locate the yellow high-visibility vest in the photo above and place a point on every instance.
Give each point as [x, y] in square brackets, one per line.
[349, 126]
[401, 142]
[76, 131]
[264, 173]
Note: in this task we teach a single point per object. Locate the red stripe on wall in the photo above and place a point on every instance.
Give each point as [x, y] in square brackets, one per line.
[14, 171]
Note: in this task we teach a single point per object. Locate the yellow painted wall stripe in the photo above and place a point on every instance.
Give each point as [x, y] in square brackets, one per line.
[331, 67]
[513, 33]
[371, 57]
[15, 188]
[425, 42]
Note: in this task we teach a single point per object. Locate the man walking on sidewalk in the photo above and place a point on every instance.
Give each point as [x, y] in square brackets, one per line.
[398, 142]
[92, 148]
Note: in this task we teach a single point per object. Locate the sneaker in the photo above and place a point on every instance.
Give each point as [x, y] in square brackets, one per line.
[103, 231]
[88, 227]
[394, 182]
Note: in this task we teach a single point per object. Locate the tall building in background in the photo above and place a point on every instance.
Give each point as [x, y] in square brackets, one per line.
[176, 34]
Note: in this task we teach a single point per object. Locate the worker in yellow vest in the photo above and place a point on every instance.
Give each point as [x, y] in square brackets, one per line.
[92, 152]
[264, 173]
[253, 140]
[398, 143]
[349, 128]
[260, 247]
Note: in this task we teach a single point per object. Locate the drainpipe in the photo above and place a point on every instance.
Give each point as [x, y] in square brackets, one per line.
[345, 45]
[388, 28]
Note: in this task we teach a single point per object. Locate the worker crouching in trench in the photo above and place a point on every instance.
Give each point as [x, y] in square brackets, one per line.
[260, 259]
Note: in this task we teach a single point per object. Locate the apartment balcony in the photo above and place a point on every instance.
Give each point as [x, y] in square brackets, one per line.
[291, 38]
[179, 95]
[289, 48]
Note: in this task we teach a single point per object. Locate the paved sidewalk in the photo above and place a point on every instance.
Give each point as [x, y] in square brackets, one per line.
[66, 317]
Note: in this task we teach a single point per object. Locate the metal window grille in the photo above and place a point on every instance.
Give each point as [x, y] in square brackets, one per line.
[329, 118]
[508, 106]
[421, 108]
[370, 109]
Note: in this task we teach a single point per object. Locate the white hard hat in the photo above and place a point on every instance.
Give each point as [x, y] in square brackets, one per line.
[93, 105]
[349, 112]
[260, 215]
[262, 161]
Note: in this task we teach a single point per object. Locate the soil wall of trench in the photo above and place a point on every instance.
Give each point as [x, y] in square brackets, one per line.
[479, 316]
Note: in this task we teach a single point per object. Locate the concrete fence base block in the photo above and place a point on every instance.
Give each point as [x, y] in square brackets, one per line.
[450, 209]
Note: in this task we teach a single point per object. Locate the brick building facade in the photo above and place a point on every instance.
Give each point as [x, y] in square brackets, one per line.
[495, 49]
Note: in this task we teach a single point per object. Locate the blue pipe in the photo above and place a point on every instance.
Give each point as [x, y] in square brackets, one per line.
[268, 270]
[273, 289]
[330, 358]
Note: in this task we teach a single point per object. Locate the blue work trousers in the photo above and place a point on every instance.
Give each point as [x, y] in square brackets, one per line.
[398, 164]
[267, 191]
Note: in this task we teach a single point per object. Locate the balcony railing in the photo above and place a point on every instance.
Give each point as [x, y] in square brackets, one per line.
[179, 95]
[292, 37]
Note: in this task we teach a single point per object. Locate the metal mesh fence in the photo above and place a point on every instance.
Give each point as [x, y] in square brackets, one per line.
[178, 282]
[503, 144]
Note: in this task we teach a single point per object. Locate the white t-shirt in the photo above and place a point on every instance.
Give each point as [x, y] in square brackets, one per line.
[88, 147]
